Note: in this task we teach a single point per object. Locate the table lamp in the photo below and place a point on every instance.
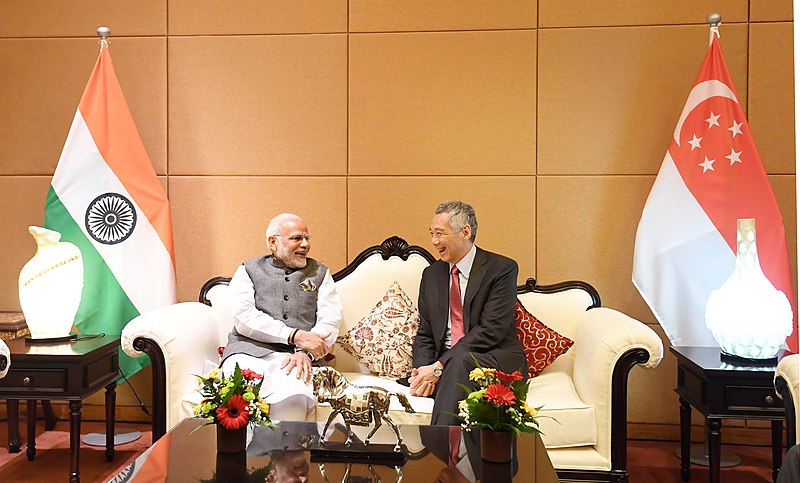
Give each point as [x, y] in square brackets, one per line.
[749, 318]
[50, 287]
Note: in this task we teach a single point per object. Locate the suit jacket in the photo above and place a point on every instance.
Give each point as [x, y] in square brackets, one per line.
[489, 303]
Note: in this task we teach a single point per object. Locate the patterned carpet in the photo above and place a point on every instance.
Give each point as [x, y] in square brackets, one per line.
[52, 454]
[648, 461]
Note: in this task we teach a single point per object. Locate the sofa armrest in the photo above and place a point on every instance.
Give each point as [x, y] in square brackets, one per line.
[787, 385]
[179, 339]
[608, 345]
[5, 358]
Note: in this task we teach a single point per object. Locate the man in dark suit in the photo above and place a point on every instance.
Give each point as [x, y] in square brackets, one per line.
[466, 308]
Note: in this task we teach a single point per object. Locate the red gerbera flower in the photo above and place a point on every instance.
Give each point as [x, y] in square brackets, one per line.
[500, 394]
[251, 375]
[507, 379]
[235, 414]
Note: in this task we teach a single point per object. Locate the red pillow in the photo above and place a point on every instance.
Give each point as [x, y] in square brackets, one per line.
[542, 344]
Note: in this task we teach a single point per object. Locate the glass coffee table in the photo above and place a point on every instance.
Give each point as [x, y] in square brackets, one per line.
[292, 453]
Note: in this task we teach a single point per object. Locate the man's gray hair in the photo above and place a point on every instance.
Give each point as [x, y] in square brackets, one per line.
[460, 214]
[274, 226]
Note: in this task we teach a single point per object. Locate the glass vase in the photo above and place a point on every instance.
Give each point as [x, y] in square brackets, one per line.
[497, 446]
[231, 440]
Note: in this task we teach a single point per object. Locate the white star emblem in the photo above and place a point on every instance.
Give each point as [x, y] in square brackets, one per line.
[734, 157]
[707, 164]
[736, 128]
[695, 141]
[713, 120]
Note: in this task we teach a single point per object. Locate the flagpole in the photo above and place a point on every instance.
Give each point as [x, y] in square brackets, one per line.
[103, 32]
[698, 455]
[120, 437]
[714, 20]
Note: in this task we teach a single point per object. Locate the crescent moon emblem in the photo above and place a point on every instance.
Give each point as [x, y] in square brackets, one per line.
[701, 92]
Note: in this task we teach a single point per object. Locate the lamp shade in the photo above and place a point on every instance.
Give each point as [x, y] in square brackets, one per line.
[747, 315]
[50, 285]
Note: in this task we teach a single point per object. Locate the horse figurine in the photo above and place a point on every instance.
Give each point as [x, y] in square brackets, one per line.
[359, 405]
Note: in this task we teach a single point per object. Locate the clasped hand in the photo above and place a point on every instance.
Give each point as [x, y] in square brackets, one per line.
[422, 381]
[312, 342]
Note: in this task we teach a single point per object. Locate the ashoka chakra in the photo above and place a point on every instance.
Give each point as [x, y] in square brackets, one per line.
[110, 218]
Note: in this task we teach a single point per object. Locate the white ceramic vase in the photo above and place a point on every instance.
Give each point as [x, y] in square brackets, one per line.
[747, 315]
[50, 285]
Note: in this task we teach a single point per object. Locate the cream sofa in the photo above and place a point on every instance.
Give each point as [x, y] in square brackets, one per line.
[584, 390]
[787, 385]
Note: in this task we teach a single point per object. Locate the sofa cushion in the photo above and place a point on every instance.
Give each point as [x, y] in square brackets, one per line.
[541, 343]
[565, 420]
[382, 340]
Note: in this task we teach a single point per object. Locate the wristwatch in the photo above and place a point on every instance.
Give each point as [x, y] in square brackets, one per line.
[437, 369]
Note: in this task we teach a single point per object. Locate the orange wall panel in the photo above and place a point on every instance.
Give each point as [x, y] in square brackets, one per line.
[442, 103]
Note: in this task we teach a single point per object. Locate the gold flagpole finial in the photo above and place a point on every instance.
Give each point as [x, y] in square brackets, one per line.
[714, 20]
[103, 32]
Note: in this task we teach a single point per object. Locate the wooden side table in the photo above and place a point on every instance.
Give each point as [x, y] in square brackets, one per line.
[720, 390]
[13, 326]
[65, 371]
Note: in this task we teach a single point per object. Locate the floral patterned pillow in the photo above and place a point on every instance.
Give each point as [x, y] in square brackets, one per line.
[382, 340]
[542, 344]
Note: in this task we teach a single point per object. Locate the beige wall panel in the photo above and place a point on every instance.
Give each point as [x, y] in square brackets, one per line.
[771, 102]
[443, 103]
[274, 105]
[70, 18]
[21, 205]
[190, 17]
[380, 207]
[650, 391]
[586, 227]
[218, 222]
[581, 13]
[390, 15]
[784, 188]
[43, 80]
[609, 99]
[766, 10]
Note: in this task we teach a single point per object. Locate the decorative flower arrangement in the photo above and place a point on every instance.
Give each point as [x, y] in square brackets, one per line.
[232, 401]
[499, 403]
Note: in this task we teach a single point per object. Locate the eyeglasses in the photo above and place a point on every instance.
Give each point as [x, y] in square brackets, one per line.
[296, 238]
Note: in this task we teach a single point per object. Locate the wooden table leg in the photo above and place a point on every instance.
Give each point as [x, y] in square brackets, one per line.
[714, 439]
[111, 400]
[74, 439]
[14, 439]
[777, 446]
[31, 451]
[686, 439]
[50, 419]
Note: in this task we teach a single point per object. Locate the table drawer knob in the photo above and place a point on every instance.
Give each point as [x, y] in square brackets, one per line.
[769, 400]
[26, 381]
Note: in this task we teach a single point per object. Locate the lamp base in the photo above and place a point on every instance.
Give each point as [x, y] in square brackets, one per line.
[746, 361]
[52, 340]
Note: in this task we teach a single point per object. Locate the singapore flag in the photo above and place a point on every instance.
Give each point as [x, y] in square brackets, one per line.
[711, 176]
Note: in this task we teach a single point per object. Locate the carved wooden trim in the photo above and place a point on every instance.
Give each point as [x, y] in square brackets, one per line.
[530, 285]
[393, 246]
[211, 284]
[149, 347]
[782, 388]
[619, 406]
[612, 476]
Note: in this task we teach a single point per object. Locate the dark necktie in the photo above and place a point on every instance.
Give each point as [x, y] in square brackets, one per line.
[456, 309]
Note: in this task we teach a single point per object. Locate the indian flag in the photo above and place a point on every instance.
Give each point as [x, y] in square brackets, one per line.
[106, 199]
